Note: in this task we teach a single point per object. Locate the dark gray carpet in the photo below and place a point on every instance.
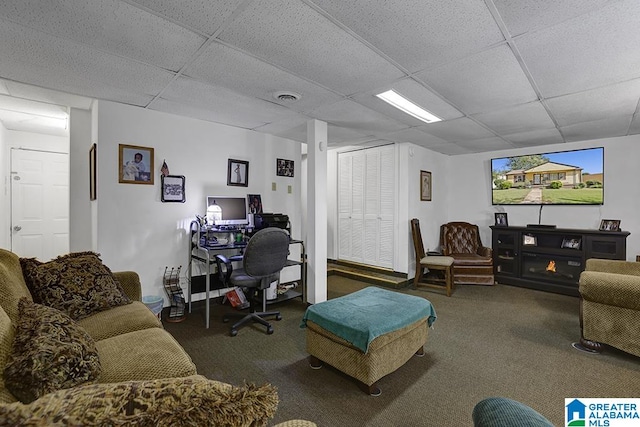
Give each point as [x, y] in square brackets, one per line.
[487, 341]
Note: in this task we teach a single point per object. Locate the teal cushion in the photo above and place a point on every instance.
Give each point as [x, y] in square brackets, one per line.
[503, 412]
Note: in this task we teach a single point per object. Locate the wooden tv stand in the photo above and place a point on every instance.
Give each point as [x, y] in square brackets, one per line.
[551, 259]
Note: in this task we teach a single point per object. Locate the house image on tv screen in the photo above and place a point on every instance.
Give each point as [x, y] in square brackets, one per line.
[546, 173]
[563, 178]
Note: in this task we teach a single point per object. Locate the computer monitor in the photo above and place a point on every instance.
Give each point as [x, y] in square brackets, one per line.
[225, 210]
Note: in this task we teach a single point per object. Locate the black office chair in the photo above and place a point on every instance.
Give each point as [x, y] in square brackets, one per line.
[264, 257]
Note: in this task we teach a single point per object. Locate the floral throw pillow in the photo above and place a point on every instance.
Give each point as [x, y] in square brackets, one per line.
[50, 352]
[77, 284]
[169, 402]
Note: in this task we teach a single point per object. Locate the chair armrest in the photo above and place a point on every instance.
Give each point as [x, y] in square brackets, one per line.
[225, 268]
[486, 252]
[613, 266]
[130, 282]
[618, 290]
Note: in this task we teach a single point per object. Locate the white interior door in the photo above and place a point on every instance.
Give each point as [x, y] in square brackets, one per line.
[39, 203]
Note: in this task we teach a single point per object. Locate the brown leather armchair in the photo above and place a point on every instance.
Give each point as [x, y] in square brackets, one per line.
[472, 262]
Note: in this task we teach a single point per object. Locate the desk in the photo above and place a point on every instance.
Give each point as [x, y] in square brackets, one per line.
[203, 252]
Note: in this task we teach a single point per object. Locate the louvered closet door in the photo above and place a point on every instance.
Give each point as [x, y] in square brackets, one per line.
[366, 206]
[350, 206]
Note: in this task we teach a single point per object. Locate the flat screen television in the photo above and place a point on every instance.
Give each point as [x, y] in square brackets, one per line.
[225, 210]
[557, 178]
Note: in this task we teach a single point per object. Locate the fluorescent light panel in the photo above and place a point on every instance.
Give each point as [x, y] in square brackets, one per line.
[401, 103]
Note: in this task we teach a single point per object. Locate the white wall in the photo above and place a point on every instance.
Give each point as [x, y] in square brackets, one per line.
[80, 215]
[461, 191]
[135, 230]
[470, 189]
[4, 194]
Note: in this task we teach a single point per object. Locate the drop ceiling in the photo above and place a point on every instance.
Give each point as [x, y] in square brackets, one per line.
[500, 73]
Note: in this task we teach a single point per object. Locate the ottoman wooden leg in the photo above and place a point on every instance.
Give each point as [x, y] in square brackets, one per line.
[372, 390]
[314, 362]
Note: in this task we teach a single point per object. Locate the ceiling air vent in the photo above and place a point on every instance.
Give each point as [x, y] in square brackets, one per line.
[287, 96]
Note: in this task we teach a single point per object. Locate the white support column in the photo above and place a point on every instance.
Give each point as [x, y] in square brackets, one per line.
[316, 211]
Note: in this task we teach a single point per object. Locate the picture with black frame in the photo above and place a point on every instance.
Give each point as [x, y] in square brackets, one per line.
[501, 219]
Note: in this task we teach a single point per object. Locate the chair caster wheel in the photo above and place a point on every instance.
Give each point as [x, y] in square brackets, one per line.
[225, 320]
[278, 317]
[233, 333]
[269, 330]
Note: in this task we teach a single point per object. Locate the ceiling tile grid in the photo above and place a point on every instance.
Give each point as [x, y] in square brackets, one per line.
[293, 36]
[500, 73]
[418, 34]
[109, 25]
[223, 66]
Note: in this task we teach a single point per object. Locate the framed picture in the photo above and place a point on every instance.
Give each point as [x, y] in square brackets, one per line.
[93, 185]
[529, 240]
[571, 243]
[501, 219]
[284, 167]
[425, 186]
[610, 225]
[255, 203]
[238, 173]
[173, 188]
[135, 164]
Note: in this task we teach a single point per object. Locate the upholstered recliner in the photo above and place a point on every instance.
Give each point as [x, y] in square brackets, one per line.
[472, 262]
[610, 305]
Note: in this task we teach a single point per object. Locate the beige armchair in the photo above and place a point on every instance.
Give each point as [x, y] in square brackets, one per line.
[472, 262]
[610, 305]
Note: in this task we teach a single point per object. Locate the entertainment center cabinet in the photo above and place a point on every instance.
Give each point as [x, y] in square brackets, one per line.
[551, 259]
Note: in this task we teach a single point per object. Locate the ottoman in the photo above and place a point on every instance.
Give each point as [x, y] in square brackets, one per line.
[367, 334]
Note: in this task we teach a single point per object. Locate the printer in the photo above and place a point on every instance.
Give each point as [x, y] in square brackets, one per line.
[264, 220]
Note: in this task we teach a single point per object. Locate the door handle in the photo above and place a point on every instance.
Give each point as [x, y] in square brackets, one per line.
[17, 228]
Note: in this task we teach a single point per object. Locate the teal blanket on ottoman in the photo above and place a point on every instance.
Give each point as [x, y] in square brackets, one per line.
[362, 316]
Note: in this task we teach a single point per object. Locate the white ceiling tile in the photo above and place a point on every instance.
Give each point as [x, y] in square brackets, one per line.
[351, 115]
[535, 137]
[519, 118]
[483, 82]
[485, 144]
[37, 108]
[463, 129]
[190, 92]
[294, 128]
[109, 25]
[418, 33]
[615, 100]
[608, 128]
[580, 54]
[205, 16]
[226, 67]
[25, 91]
[522, 16]
[449, 149]
[417, 137]
[635, 125]
[338, 135]
[36, 58]
[415, 92]
[293, 36]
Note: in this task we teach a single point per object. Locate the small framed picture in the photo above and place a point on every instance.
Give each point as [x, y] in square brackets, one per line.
[501, 219]
[135, 164]
[255, 203]
[425, 186]
[571, 243]
[238, 173]
[173, 188]
[529, 240]
[610, 225]
[284, 168]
